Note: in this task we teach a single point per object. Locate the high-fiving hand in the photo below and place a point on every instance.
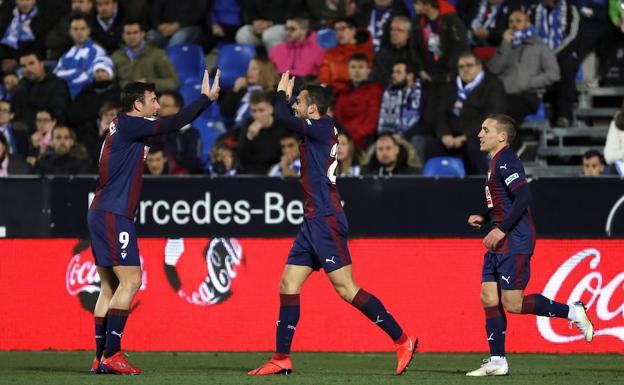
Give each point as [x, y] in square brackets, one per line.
[211, 92]
[286, 84]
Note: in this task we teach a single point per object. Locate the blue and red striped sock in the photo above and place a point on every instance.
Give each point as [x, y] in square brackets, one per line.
[539, 305]
[100, 336]
[375, 311]
[286, 325]
[496, 328]
[115, 324]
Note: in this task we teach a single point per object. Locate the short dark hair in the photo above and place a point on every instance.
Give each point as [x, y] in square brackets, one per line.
[107, 106]
[135, 91]
[410, 68]
[359, 56]
[72, 133]
[177, 97]
[433, 3]
[470, 54]
[595, 153]
[261, 97]
[30, 50]
[505, 123]
[350, 22]
[319, 96]
[389, 134]
[78, 16]
[134, 21]
[155, 149]
[46, 110]
[291, 135]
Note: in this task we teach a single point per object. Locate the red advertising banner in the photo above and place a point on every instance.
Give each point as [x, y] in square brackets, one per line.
[222, 294]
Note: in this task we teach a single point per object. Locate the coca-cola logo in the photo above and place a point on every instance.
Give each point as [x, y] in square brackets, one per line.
[82, 279]
[593, 288]
[219, 262]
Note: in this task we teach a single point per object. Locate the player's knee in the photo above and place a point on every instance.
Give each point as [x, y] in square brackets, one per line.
[489, 300]
[345, 292]
[288, 287]
[132, 283]
[513, 305]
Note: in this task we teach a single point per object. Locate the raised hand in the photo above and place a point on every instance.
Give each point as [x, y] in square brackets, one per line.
[286, 84]
[211, 92]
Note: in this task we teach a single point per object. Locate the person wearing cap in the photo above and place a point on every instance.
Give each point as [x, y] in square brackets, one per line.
[75, 65]
[83, 112]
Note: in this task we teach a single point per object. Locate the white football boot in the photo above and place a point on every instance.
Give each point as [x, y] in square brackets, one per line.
[578, 316]
[494, 366]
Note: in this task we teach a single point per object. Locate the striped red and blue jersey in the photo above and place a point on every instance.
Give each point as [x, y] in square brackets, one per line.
[505, 180]
[318, 152]
[121, 157]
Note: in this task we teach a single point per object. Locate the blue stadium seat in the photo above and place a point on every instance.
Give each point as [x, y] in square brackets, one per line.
[326, 38]
[444, 166]
[233, 60]
[538, 116]
[209, 130]
[188, 61]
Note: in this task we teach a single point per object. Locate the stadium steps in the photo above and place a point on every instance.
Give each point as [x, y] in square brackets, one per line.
[538, 169]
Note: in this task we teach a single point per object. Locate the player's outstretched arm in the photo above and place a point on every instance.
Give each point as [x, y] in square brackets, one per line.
[283, 112]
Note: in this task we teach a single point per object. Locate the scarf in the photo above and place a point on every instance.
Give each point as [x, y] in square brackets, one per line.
[379, 18]
[243, 112]
[75, 66]
[519, 37]
[7, 131]
[551, 27]
[133, 54]
[400, 109]
[106, 25]
[20, 30]
[486, 18]
[464, 90]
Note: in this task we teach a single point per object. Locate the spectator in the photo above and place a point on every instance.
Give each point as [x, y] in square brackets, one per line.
[183, 147]
[348, 156]
[177, 21]
[8, 86]
[290, 162]
[24, 27]
[389, 158]
[441, 36]
[109, 25]
[138, 61]
[6, 126]
[335, 67]
[156, 162]
[399, 46]
[300, 53]
[58, 40]
[261, 76]
[358, 108]
[259, 142]
[594, 25]
[223, 160]
[614, 146]
[593, 163]
[486, 21]
[525, 65]
[264, 21]
[223, 20]
[42, 137]
[611, 51]
[557, 24]
[404, 109]
[84, 110]
[65, 157]
[324, 13]
[75, 65]
[37, 91]
[376, 15]
[11, 164]
[464, 106]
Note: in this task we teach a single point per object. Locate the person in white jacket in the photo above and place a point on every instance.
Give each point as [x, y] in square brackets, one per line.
[614, 146]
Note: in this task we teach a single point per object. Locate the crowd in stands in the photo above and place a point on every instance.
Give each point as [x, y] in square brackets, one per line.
[411, 80]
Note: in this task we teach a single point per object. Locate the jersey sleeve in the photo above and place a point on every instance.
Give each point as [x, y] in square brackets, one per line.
[511, 173]
[138, 128]
[309, 128]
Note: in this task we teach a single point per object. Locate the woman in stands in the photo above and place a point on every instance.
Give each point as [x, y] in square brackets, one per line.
[261, 76]
[614, 147]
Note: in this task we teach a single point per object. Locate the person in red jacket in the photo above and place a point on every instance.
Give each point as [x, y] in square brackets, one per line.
[358, 108]
[335, 67]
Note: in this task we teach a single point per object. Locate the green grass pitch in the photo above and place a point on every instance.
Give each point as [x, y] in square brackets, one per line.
[69, 368]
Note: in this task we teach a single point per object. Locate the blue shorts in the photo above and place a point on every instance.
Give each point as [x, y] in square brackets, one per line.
[511, 270]
[113, 239]
[322, 242]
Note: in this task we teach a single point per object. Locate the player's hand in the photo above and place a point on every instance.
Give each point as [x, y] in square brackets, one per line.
[286, 84]
[493, 238]
[476, 221]
[211, 92]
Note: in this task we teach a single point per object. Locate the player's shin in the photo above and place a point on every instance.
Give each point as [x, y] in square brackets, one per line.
[286, 324]
[539, 305]
[100, 336]
[496, 328]
[375, 311]
[115, 324]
